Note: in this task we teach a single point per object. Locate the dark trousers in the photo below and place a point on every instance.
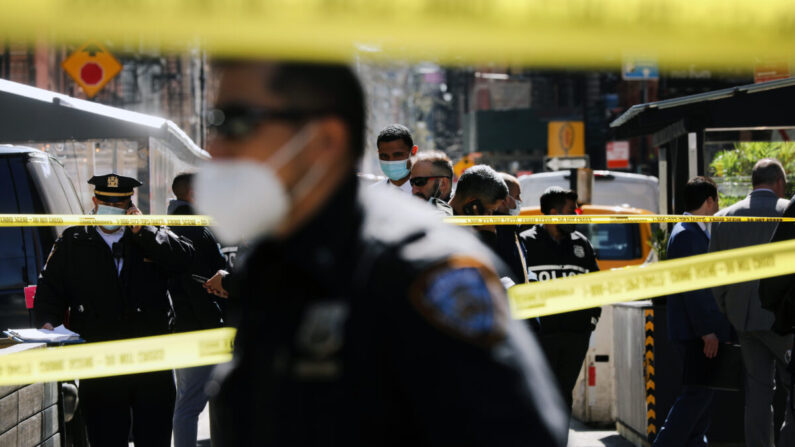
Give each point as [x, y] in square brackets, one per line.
[565, 352]
[111, 404]
[688, 421]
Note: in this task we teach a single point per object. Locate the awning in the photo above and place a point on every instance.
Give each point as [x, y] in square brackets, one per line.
[766, 104]
[33, 115]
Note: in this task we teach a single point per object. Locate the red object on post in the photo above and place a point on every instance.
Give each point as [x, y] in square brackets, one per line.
[591, 375]
[30, 292]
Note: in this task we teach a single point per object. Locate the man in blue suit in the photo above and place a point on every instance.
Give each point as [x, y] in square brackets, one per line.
[694, 323]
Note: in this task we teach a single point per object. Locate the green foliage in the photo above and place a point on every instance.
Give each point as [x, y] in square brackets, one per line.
[732, 168]
[739, 162]
[659, 242]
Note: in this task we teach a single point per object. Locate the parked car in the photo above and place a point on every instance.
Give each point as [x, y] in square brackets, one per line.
[617, 245]
[31, 182]
[609, 188]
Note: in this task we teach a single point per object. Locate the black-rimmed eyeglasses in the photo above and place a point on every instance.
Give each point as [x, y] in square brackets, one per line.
[422, 181]
[238, 121]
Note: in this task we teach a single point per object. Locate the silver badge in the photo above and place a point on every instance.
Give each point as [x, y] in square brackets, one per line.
[579, 251]
[320, 337]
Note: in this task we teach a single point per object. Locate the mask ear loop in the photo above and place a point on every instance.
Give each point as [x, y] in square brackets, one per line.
[436, 190]
[291, 148]
[308, 181]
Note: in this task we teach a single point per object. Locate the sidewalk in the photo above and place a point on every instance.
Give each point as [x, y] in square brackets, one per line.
[580, 435]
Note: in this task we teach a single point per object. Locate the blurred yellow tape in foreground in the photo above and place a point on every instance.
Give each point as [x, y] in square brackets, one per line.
[676, 33]
[603, 219]
[69, 220]
[652, 280]
[114, 358]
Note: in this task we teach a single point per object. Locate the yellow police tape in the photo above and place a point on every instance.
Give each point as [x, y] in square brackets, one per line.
[651, 280]
[113, 358]
[676, 33]
[50, 220]
[526, 301]
[604, 219]
[67, 220]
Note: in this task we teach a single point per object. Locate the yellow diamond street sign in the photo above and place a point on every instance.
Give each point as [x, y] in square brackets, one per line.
[91, 66]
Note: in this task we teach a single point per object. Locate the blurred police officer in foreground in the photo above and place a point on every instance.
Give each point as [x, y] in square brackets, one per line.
[109, 282]
[362, 325]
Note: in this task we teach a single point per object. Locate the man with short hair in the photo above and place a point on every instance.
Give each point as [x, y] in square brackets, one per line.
[512, 205]
[318, 360]
[763, 350]
[695, 324]
[194, 309]
[395, 148]
[510, 248]
[480, 192]
[112, 282]
[558, 251]
[432, 180]
[432, 176]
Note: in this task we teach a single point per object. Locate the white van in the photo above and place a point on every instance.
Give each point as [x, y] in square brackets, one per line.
[609, 188]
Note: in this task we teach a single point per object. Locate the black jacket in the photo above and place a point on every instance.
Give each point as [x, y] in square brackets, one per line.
[80, 277]
[778, 293]
[508, 246]
[382, 326]
[194, 308]
[550, 259]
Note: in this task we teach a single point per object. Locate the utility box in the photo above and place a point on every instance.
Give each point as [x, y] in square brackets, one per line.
[649, 374]
[595, 392]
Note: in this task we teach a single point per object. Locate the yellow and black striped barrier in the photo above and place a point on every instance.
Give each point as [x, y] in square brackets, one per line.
[648, 370]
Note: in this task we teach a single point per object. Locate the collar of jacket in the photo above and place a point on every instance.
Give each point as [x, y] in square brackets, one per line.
[763, 192]
[544, 234]
[181, 208]
[328, 237]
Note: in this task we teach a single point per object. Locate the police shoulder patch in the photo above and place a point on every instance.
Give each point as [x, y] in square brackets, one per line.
[464, 298]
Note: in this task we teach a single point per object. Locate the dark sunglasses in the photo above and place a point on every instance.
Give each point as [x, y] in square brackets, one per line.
[238, 121]
[422, 181]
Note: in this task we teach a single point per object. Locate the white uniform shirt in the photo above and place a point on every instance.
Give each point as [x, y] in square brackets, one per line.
[110, 239]
[406, 187]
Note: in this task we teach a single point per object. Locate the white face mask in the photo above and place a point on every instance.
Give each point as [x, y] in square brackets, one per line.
[515, 211]
[245, 198]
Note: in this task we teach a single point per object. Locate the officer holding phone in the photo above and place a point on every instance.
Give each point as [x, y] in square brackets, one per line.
[480, 191]
[106, 283]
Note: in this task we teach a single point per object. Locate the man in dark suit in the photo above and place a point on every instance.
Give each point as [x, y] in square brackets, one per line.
[694, 321]
[764, 351]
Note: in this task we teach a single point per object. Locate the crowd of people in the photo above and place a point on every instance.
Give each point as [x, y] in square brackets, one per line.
[362, 318]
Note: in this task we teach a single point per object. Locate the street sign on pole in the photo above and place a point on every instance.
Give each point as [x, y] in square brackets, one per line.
[560, 163]
[640, 70]
[91, 66]
[565, 138]
[771, 70]
[618, 155]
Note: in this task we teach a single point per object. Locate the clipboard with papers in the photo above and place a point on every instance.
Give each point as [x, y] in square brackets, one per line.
[58, 336]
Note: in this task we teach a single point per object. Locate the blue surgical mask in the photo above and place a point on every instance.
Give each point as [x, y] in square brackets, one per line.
[104, 209]
[395, 170]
